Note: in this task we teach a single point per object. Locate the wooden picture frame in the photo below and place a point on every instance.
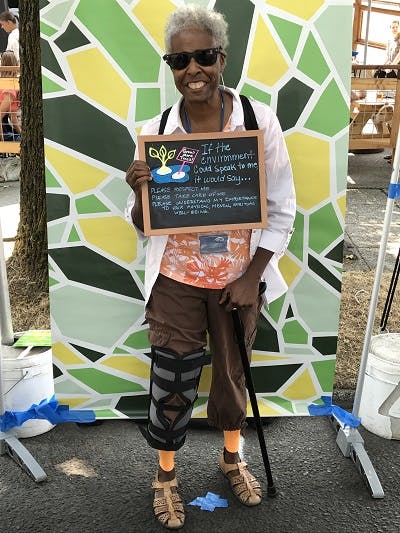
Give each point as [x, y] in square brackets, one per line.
[217, 183]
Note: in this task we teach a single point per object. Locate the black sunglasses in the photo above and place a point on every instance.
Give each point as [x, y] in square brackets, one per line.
[204, 58]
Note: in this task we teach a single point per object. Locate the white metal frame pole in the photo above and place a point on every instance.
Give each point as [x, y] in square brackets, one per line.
[394, 180]
[6, 329]
[367, 32]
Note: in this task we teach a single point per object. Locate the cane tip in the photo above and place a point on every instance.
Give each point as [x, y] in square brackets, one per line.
[272, 491]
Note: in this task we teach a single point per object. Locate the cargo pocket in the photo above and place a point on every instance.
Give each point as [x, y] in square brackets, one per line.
[159, 336]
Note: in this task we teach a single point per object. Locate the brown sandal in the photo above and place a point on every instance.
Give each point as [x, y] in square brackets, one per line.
[243, 484]
[167, 504]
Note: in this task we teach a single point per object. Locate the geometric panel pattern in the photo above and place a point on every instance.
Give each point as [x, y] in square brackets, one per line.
[103, 77]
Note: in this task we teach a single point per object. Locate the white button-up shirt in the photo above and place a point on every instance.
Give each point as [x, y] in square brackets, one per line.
[281, 200]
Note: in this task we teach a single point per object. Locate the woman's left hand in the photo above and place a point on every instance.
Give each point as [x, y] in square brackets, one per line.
[242, 292]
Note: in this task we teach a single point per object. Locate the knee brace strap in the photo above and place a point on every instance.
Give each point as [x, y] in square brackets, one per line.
[174, 382]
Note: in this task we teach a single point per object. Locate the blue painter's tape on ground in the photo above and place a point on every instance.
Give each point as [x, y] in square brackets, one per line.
[347, 419]
[46, 410]
[209, 502]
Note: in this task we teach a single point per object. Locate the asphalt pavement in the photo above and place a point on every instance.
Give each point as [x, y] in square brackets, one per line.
[99, 476]
[367, 187]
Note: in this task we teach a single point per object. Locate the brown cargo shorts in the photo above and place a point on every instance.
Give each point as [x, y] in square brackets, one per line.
[180, 316]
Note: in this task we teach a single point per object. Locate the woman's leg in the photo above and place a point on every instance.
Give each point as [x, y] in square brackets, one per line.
[166, 465]
[177, 332]
[231, 446]
[228, 399]
[227, 404]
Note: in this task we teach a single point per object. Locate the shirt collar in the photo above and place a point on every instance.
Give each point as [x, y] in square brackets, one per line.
[174, 123]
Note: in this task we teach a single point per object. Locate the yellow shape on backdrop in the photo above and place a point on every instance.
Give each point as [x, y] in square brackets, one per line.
[72, 402]
[65, 355]
[200, 414]
[111, 234]
[302, 388]
[97, 78]
[341, 202]
[261, 357]
[311, 171]
[78, 175]
[289, 269]
[205, 380]
[129, 364]
[304, 10]
[267, 64]
[153, 16]
[263, 408]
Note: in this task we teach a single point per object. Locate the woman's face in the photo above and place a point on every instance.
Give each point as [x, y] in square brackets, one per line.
[195, 82]
[395, 29]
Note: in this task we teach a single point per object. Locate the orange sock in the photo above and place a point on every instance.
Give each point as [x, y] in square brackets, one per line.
[166, 460]
[232, 440]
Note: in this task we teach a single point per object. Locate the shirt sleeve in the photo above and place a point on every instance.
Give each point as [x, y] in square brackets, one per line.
[150, 128]
[281, 198]
[13, 43]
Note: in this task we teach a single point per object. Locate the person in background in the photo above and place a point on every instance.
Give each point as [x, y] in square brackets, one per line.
[9, 102]
[191, 287]
[10, 25]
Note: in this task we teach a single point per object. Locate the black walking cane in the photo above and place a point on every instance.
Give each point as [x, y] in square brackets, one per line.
[238, 326]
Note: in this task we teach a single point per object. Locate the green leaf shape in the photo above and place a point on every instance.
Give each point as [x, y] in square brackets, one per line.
[47, 30]
[324, 228]
[49, 86]
[325, 372]
[119, 35]
[257, 94]
[331, 113]
[294, 333]
[90, 204]
[289, 33]
[104, 383]
[312, 62]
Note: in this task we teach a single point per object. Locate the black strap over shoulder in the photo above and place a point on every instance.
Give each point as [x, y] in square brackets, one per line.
[164, 118]
[250, 121]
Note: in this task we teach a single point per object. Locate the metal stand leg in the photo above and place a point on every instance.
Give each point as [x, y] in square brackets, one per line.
[11, 446]
[351, 444]
[349, 440]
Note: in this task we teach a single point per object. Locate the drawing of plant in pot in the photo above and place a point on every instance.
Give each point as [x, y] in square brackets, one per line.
[163, 156]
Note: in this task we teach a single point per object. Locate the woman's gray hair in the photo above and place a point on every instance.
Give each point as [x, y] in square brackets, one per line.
[193, 16]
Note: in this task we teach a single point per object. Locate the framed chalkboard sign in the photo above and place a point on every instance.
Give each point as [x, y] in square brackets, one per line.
[204, 182]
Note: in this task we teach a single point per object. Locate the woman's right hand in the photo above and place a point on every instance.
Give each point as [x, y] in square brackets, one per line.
[137, 174]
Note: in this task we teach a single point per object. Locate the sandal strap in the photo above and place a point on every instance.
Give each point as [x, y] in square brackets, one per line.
[169, 507]
[228, 467]
[244, 485]
[164, 484]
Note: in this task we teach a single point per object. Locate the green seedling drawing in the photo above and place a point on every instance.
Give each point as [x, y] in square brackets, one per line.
[163, 156]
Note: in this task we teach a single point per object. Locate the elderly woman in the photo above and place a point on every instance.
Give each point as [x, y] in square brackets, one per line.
[184, 303]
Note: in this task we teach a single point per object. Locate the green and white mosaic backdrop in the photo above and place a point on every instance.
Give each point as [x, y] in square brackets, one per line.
[103, 77]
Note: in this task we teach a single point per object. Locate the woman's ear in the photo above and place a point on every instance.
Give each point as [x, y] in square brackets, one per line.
[222, 61]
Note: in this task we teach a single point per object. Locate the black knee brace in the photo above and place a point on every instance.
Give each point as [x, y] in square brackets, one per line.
[174, 381]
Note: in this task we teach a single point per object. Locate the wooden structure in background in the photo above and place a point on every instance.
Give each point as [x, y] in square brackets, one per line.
[9, 147]
[386, 7]
[383, 135]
